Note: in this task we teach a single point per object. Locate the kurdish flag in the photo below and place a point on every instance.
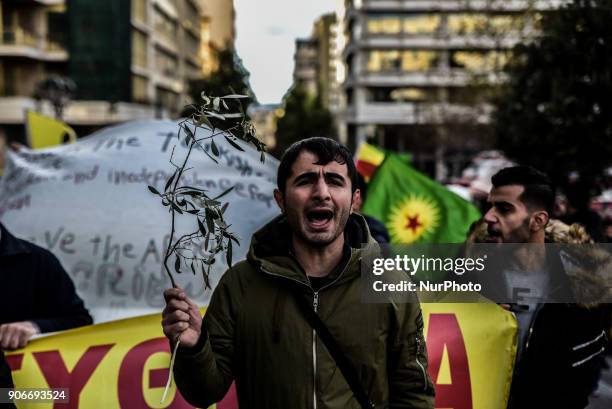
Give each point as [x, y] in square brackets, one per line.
[415, 208]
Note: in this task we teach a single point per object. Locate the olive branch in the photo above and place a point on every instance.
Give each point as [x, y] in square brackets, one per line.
[215, 117]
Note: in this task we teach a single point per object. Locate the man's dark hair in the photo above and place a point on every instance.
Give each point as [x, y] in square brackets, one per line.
[325, 149]
[538, 189]
[362, 186]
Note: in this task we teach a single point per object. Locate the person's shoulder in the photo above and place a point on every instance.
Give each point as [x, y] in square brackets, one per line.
[238, 273]
[27, 248]
[39, 252]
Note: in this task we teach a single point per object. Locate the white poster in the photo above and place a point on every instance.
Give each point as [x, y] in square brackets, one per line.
[88, 203]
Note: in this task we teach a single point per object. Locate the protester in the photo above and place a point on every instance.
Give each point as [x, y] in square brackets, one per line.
[560, 345]
[258, 326]
[578, 211]
[37, 294]
[6, 380]
[378, 230]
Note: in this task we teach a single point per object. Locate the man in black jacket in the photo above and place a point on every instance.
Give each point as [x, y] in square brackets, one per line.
[37, 294]
[560, 344]
[6, 380]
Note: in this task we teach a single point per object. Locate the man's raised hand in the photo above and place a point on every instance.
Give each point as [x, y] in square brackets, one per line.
[181, 317]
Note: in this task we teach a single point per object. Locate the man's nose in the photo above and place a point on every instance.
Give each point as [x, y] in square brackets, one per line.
[321, 189]
[490, 216]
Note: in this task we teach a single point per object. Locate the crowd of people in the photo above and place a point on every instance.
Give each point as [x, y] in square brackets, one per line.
[288, 326]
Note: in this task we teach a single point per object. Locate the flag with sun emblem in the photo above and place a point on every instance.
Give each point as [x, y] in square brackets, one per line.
[415, 208]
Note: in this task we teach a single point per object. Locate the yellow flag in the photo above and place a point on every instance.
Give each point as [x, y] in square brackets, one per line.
[44, 131]
[369, 157]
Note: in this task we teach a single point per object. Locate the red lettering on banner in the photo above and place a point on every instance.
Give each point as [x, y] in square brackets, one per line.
[444, 331]
[131, 375]
[231, 399]
[57, 375]
[14, 361]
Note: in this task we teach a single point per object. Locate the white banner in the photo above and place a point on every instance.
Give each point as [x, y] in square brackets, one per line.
[88, 203]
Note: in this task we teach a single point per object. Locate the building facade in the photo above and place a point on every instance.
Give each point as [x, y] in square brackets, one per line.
[419, 73]
[316, 61]
[32, 47]
[218, 31]
[129, 59]
[306, 62]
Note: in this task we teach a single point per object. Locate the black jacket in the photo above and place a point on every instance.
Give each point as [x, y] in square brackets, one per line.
[35, 287]
[561, 359]
[6, 381]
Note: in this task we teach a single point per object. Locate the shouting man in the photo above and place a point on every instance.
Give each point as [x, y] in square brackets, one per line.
[255, 330]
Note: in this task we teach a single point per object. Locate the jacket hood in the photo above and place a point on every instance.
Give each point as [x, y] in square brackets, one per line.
[270, 249]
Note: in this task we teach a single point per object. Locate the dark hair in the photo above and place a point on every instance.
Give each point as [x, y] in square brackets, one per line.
[325, 149]
[538, 189]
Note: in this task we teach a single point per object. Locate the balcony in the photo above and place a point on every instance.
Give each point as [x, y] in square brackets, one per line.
[50, 2]
[77, 112]
[21, 43]
[168, 7]
[458, 5]
[438, 41]
[393, 113]
[434, 78]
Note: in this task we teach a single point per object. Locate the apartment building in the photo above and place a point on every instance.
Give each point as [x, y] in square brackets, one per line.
[316, 61]
[32, 47]
[218, 31]
[306, 61]
[129, 59]
[419, 73]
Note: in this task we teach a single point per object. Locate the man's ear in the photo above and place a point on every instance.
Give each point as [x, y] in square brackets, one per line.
[278, 196]
[539, 220]
[357, 202]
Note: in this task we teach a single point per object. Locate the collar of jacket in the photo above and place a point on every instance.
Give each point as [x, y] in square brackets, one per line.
[10, 245]
[269, 250]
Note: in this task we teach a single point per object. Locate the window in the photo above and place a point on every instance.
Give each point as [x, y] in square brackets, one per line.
[139, 10]
[166, 64]
[192, 16]
[477, 61]
[165, 26]
[167, 99]
[139, 89]
[479, 23]
[401, 61]
[396, 24]
[384, 25]
[139, 49]
[421, 24]
[400, 94]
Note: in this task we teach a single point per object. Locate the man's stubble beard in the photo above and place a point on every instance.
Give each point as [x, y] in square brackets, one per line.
[521, 234]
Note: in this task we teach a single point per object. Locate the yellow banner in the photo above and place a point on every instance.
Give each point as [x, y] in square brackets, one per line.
[124, 364]
[44, 132]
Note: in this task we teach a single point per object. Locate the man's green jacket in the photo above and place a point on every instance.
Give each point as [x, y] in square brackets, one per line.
[255, 333]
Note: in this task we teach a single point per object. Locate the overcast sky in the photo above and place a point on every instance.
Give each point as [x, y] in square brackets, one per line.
[266, 31]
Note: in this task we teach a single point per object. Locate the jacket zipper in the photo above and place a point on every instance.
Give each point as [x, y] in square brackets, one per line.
[315, 305]
[531, 325]
[418, 350]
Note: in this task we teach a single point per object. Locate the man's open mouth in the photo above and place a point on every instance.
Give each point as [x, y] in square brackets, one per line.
[319, 218]
[493, 236]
